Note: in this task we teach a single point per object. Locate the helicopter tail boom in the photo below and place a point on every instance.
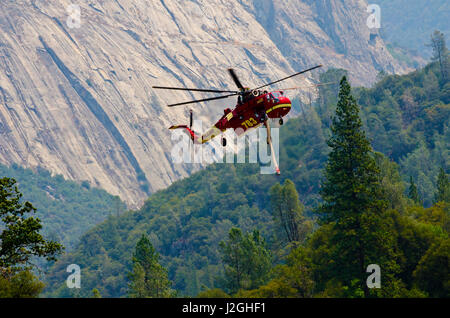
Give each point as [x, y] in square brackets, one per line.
[206, 137]
[190, 131]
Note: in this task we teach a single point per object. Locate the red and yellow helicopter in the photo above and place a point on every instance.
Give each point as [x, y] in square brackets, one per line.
[254, 108]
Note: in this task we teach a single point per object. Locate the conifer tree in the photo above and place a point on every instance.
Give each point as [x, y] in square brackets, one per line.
[287, 212]
[442, 187]
[440, 53]
[413, 193]
[20, 243]
[354, 201]
[20, 239]
[247, 261]
[148, 278]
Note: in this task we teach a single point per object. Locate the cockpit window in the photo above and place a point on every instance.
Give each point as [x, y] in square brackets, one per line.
[276, 94]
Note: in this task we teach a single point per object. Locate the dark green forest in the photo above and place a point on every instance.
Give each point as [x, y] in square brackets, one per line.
[196, 223]
[66, 208]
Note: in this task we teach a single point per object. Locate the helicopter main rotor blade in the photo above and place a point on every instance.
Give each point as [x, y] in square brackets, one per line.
[235, 79]
[194, 89]
[307, 86]
[203, 100]
[285, 78]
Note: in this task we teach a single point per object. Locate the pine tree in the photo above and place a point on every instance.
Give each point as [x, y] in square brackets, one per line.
[20, 239]
[148, 278]
[247, 261]
[440, 53]
[442, 187]
[287, 212]
[354, 201]
[20, 243]
[413, 193]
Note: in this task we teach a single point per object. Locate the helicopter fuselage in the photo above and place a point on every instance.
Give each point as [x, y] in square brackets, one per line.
[252, 112]
[253, 109]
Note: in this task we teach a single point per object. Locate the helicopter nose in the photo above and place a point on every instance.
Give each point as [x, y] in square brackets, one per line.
[284, 101]
[280, 109]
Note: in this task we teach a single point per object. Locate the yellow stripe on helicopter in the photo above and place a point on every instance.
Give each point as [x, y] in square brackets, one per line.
[278, 106]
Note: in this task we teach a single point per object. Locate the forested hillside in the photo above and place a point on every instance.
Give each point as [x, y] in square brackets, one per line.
[405, 117]
[66, 208]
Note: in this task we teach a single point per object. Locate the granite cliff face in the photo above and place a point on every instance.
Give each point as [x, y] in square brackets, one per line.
[333, 31]
[76, 97]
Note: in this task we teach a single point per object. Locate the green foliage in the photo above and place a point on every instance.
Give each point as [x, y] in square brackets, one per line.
[292, 279]
[276, 288]
[413, 238]
[20, 238]
[432, 273]
[442, 187]
[185, 223]
[96, 293]
[148, 278]
[392, 184]
[413, 194]
[247, 261]
[287, 212]
[437, 215]
[440, 53]
[353, 200]
[67, 209]
[22, 284]
[213, 293]
[407, 118]
[20, 241]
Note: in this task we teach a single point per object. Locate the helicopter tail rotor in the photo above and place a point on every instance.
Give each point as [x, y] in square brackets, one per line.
[192, 134]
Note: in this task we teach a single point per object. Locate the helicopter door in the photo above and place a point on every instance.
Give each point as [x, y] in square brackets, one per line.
[270, 98]
[275, 97]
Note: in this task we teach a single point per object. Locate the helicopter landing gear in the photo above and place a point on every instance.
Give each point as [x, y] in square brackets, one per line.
[281, 121]
[260, 116]
[263, 117]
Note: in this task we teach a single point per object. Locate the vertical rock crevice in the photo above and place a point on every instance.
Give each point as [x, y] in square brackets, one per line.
[99, 113]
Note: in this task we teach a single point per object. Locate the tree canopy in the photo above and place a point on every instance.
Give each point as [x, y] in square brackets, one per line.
[148, 278]
[20, 243]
